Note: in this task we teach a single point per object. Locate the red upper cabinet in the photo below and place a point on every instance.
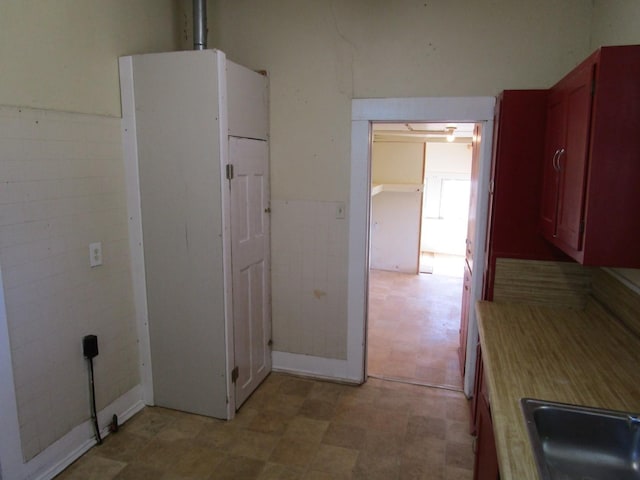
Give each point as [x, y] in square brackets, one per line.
[591, 189]
[516, 182]
[565, 165]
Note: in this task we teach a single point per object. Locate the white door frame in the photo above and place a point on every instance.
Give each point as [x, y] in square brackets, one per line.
[363, 113]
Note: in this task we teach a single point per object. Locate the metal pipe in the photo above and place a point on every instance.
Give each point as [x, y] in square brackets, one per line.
[199, 24]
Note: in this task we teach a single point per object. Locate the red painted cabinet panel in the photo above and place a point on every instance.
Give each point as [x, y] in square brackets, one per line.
[516, 177]
[591, 193]
[486, 456]
[486, 461]
[556, 119]
[476, 391]
[565, 163]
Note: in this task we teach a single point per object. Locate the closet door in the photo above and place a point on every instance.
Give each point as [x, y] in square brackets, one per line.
[250, 264]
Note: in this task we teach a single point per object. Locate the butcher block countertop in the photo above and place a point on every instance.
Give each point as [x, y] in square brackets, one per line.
[583, 357]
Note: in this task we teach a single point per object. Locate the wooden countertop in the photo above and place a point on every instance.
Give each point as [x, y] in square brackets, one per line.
[560, 354]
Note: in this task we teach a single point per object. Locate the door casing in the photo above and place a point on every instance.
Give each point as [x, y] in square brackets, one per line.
[363, 113]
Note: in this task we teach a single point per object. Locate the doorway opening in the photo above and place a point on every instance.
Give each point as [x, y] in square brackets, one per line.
[365, 112]
[421, 182]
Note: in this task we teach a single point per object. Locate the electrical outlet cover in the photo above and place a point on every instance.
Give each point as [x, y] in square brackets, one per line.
[95, 254]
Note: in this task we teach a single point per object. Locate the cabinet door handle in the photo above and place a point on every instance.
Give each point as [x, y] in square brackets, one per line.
[561, 152]
[553, 161]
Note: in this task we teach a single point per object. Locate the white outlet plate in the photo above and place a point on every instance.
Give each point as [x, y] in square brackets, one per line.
[95, 254]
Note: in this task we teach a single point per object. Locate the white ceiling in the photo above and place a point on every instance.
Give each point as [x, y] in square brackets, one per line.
[411, 131]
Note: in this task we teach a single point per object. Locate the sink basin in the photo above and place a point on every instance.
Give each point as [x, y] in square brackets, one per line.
[581, 443]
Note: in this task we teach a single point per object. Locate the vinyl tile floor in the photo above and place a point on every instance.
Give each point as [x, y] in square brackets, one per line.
[413, 327]
[296, 428]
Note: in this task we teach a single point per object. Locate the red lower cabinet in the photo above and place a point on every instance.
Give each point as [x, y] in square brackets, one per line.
[486, 461]
[486, 456]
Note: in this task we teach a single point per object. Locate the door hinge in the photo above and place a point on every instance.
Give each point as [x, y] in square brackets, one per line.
[270, 342]
[229, 171]
[267, 210]
[234, 374]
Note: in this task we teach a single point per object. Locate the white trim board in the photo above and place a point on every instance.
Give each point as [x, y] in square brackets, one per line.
[136, 241]
[10, 448]
[66, 450]
[225, 202]
[309, 365]
[364, 112]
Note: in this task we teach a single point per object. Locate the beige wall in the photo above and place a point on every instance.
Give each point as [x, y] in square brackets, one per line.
[63, 55]
[395, 216]
[396, 162]
[321, 54]
[615, 22]
[62, 188]
[448, 158]
[445, 161]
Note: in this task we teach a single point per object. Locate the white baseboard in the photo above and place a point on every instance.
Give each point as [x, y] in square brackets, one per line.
[64, 451]
[310, 366]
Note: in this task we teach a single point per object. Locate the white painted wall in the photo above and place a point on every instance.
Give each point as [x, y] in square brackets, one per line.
[615, 22]
[310, 276]
[321, 54]
[395, 231]
[62, 188]
[446, 162]
[448, 158]
[64, 55]
[395, 216]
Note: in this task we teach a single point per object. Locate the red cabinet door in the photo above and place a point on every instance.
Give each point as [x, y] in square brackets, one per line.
[486, 461]
[477, 386]
[486, 458]
[556, 119]
[566, 155]
[572, 159]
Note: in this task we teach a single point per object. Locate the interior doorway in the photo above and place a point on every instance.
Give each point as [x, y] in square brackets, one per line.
[364, 112]
[420, 175]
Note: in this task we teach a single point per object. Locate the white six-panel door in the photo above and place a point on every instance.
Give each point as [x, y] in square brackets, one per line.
[250, 263]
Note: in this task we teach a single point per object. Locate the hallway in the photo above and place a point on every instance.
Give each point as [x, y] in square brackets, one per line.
[413, 328]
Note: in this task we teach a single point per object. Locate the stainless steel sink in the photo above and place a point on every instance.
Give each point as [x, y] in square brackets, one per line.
[580, 443]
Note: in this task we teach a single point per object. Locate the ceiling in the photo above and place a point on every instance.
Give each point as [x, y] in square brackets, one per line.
[422, 132]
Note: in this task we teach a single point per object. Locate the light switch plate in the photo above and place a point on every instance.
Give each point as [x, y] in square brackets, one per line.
[95, 254]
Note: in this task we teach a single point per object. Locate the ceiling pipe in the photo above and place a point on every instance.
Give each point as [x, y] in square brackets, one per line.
[200, 24]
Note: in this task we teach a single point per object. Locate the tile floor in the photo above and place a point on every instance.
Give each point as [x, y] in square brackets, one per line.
[295, 428]
[413, 328]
